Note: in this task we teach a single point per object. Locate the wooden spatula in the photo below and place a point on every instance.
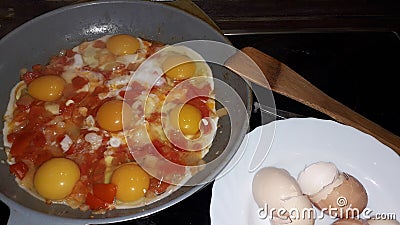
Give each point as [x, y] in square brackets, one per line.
[283, 80]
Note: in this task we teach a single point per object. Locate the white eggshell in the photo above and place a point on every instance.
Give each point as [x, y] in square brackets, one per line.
[317, 176]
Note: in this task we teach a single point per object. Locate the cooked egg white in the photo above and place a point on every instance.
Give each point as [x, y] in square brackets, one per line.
[8, 116]
[108, 60]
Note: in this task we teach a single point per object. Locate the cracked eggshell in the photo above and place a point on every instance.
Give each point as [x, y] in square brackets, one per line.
[271, 185]
[317, 176]
[350, 198]
[300, 210]
[335, 193]
[275, 188]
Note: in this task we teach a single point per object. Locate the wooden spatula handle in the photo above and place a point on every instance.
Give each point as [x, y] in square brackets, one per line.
[285, 81]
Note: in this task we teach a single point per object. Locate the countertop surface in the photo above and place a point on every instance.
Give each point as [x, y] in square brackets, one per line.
[352, 54]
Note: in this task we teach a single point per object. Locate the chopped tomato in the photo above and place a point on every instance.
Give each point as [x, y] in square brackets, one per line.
[193, 91]
[58, 61]
[72, 130]
[53, 70]
[106, 74]
[94, 202]
[89, 164]
[21, 143]
[24, 102]
[155, 117]
[67, 110]
[29, 76]
[39, 140]
[200, 103]
[135, 89]
[37, 68]
[37, 111]
[99, 44]
[85, 165]
[69, 53]
[38, 116]
[168, 152]
[99, 168]
[78, 82]
[121, 93]
[28, 145]
[157, 186]
[105, 192]
[38, 157]
[11, 137]
[79, 96]
[19, 169]
[154, 47]
[121, 155]
[100, 89]
[92, 103]
[20, 115]
[133, 66]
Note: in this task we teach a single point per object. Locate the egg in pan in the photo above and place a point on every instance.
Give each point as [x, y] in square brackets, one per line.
[80, 129]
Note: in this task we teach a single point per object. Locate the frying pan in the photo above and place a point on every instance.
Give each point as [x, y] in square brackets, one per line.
[35, 41]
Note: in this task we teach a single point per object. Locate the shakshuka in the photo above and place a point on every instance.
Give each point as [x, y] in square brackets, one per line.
[89, 128]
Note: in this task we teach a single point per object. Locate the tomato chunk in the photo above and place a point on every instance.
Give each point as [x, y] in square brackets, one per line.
[94, 202]
[200, 103]
[19, 169]
[105, 192]
[78, 82]
[25, 102]
[103, 195]
[157, 186]
[29, 76]
[21, 143]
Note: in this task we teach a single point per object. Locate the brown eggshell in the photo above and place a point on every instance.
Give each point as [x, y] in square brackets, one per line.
[348, 222]
[347, 200]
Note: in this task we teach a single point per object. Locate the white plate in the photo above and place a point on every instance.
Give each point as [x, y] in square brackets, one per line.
[295, 144]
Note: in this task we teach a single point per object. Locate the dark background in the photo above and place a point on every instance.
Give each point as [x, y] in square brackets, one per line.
[348, 49]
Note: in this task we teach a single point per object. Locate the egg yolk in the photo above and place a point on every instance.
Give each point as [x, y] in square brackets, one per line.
[122, 44]
[132, 182]
[109, 116]
[189, 119]
[55, 178]
[47, 88]
[179, 67]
